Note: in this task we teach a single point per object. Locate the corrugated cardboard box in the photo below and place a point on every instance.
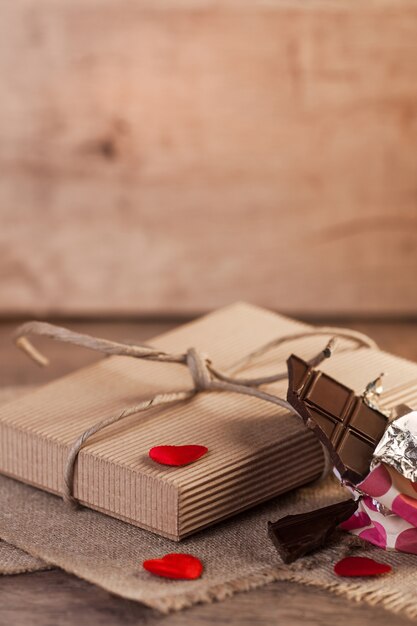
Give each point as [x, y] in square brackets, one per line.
[256, 450]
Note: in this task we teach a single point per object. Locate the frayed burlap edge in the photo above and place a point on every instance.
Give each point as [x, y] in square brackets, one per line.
[15, 561]
[393, 601]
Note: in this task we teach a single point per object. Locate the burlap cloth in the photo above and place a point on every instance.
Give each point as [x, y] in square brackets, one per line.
[237, 553]
[15, 561]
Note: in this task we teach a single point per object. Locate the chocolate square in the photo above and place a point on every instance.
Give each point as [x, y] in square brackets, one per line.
[347, 426]
[295, 536]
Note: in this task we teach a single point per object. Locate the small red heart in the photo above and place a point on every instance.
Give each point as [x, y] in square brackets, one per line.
[360, 566]
[176, 566]
[177, 455]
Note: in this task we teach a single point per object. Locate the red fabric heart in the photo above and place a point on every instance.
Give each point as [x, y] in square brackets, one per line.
[360, 566]
[176, 566]
[177, 455]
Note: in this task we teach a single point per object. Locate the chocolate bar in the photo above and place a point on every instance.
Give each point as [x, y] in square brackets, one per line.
[346, 425]
[295, 536]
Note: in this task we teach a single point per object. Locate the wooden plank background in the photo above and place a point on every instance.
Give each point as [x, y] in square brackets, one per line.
[171, 157]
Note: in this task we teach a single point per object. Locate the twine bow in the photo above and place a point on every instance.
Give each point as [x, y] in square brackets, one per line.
[204, 376]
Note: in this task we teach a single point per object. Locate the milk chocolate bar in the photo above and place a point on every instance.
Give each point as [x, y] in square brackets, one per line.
[297, 535]
[346, 425]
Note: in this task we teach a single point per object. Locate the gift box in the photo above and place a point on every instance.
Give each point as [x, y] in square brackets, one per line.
[256, 450]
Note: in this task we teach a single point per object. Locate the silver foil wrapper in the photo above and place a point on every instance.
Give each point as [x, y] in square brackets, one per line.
[398, 446]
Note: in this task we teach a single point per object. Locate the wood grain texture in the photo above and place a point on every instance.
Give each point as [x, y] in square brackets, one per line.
[58, 599]
[174, 157]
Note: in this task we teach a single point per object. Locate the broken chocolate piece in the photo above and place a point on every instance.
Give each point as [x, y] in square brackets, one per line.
[346, 425]
[297, 535]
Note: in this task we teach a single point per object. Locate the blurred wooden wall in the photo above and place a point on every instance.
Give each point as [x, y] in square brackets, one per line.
[171, 157]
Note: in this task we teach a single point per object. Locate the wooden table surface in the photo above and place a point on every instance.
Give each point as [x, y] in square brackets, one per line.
[54, 598]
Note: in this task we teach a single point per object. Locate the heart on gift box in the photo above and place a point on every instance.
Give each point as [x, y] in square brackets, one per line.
[360, 566]
[176, 566]
[177, 455]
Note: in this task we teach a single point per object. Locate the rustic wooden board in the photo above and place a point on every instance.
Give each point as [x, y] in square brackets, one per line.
[55, 598]
[176, 156]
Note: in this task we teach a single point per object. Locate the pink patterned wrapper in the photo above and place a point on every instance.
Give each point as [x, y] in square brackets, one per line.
[387, 511]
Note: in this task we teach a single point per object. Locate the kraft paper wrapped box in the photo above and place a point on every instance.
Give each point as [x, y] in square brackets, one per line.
[256, 450]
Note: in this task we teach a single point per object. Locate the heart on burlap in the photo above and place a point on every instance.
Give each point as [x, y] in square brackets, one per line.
[360, 566]
[175, 565]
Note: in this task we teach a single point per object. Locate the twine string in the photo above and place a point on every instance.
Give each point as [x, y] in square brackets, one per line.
[204, 375]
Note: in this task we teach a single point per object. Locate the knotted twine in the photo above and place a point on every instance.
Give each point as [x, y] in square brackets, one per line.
[205, 377]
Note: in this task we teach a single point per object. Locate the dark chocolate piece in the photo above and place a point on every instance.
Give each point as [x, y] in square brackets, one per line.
[346, 425]
[297, 535]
